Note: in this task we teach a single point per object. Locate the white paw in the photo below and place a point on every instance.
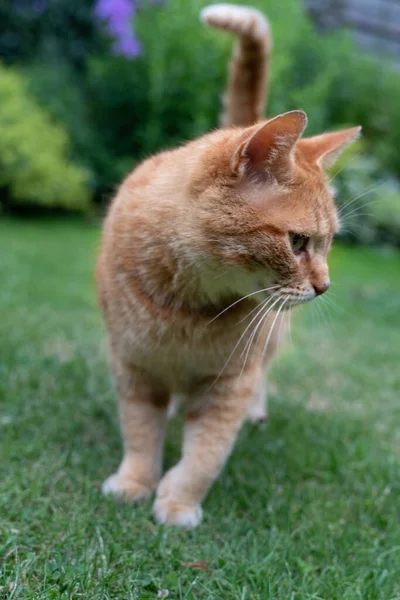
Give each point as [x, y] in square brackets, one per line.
[124, 487]
[258, 409]
[258, 413]
[169, 512]
[258, 418]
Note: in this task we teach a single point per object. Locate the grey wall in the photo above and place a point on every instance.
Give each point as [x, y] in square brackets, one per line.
[374, 23]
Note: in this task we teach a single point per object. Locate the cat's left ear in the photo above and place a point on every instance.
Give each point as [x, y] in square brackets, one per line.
[268, 147]
[324, 149]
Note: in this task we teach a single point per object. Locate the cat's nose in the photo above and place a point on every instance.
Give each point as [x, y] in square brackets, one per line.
[321, 287]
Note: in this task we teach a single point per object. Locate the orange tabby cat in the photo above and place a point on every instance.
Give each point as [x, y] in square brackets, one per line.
[204, 247]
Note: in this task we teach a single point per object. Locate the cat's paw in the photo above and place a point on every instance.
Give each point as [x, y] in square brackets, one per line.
[260, 420]
[258, 415]
[170, 508]
[168, 512]
[258, 410]
[125, 488]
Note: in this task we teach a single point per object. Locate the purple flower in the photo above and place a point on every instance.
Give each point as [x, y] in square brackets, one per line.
[128, 46]
[118, 15]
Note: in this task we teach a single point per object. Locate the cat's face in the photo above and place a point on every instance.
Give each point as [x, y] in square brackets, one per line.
[270, 222]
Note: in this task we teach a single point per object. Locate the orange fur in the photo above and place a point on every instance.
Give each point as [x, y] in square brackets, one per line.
[245, 98]
[190, 233]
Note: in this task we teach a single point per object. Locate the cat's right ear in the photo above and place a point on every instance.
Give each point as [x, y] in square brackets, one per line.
[269, 147]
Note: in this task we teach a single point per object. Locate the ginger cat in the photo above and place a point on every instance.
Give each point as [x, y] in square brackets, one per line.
[204, 249]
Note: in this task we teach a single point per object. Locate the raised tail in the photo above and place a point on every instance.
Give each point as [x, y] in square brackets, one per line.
[246, 94]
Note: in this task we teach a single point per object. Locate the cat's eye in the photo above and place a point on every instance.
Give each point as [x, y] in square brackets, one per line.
[298, 242]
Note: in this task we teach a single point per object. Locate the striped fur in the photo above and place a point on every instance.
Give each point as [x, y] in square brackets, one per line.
[195, 241]
[245, 97]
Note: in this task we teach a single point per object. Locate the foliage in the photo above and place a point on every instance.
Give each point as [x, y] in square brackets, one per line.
[368, 200]
[307, 508]
[81, 62]
[49, 30]
[167, 95]
[34, 163]
[118, 16]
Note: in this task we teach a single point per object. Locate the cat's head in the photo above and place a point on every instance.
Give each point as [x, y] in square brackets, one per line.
[267, 212]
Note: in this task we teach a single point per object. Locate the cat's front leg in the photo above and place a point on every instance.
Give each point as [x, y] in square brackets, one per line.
[210, 432]
[143, 413]
[258, 410]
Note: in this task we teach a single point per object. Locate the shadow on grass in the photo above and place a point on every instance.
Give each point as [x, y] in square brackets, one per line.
[299, 453]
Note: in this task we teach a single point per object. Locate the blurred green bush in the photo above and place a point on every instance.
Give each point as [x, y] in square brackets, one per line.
[34, 163]
[118, 111]
[368, 201]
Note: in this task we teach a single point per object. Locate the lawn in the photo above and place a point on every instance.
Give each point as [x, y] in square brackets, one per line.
[307, 508]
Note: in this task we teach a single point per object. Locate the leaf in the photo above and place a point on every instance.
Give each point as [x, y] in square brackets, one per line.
[199, 565]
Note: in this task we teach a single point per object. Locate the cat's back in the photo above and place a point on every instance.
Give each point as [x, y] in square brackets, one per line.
[153, 202]
[143, 201]
[151, 181]
[148, 211]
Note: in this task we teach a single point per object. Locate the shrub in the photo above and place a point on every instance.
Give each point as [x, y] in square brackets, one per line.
[34, 163]
[49, 30]
[328, 76]
[368, 200]
[59, 89]
[119, 110]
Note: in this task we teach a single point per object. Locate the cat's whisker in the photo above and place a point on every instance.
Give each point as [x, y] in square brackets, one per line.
[253, 310]
[290, 328]
[313, 315]
[345, 207]
[251, 338]
[250, 341]
[240, 300]
[346, 231]
[296, 304]
[279, 333]
[336, 174]
[357, 226]
[325, 311]
[238, 342]
[359, 206]
[356, 212]
[272, 328]
[331, 294]
[328, 300]
[371, 188]
[264, 305]
[348, 218]
[318, 311]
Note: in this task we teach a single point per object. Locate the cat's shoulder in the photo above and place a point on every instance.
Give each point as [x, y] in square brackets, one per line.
[146, 169]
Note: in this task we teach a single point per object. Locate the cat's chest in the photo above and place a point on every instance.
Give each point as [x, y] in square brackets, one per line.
[180, 356]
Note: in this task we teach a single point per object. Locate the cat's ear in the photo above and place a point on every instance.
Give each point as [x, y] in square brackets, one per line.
[270, 144]
[324, 149]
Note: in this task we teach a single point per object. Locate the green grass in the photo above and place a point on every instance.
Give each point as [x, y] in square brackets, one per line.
[308, 508]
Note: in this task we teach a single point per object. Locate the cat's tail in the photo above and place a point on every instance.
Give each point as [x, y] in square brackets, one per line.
[245, 97]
